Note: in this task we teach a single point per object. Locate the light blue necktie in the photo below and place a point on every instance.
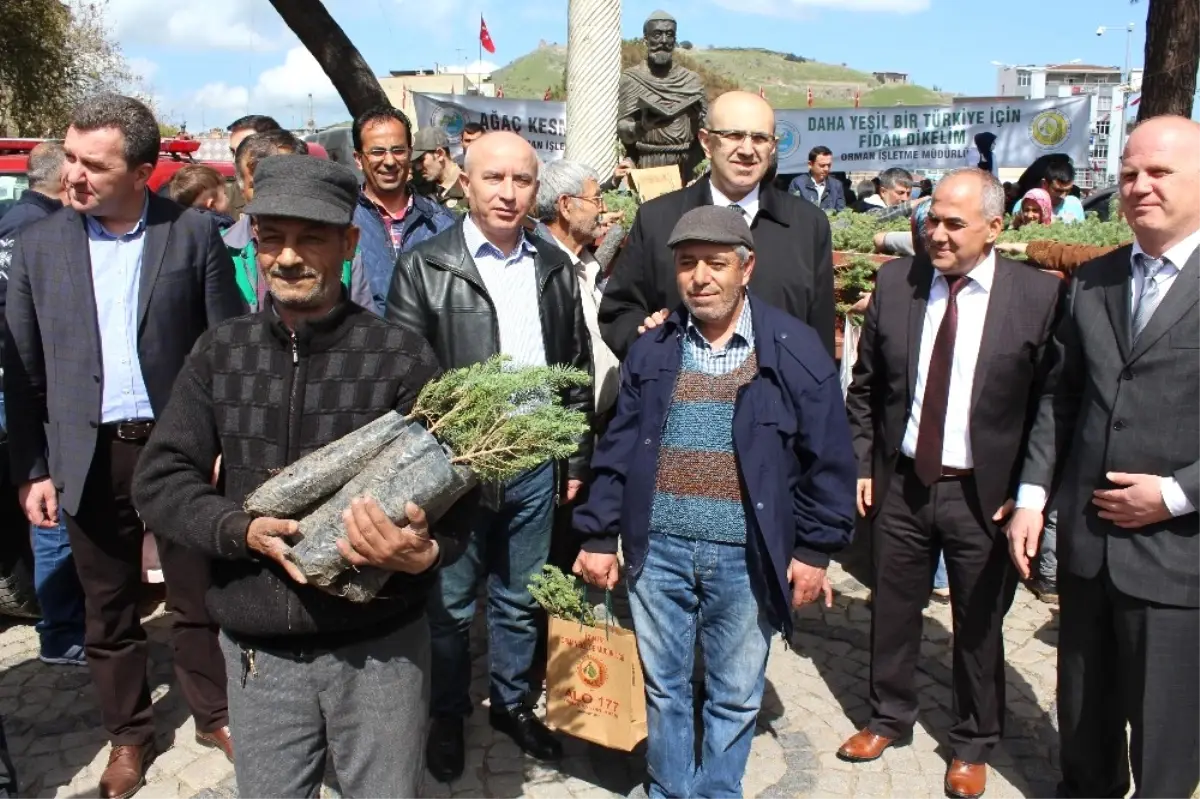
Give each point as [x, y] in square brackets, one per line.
[1151, 295]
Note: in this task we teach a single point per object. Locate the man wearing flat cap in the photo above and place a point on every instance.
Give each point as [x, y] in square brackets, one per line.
[728, 474]
[309, 673]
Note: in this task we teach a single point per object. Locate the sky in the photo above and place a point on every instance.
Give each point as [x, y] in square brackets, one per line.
[209, 61]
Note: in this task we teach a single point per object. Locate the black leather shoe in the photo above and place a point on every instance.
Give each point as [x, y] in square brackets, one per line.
[445, 752]
[529, 733]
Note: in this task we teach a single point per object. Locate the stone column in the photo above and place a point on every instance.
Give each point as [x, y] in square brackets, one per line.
[593, 73]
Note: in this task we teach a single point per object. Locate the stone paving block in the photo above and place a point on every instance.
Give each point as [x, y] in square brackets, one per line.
[209, 769]
[166, 788]
[171, 762]
[873, 785]
[909, 785]
[835, 784]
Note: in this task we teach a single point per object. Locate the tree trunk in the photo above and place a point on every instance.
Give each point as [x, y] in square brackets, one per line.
[1172, 53]
[325, 39]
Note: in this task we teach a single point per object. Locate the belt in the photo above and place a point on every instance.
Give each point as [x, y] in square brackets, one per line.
[947, 473]
[135, 430]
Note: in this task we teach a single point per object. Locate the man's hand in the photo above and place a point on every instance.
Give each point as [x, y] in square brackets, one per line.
[808, 583]
[598, 569]
[999, 516]
[864, 495]
[573, 489]
[39, 500]
[1138, 503]
[1012, 247]
[653, 320]
[1024, 532]
[265, 536]
[372, 539]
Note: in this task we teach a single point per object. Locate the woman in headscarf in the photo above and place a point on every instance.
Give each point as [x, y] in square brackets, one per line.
[1036, 209]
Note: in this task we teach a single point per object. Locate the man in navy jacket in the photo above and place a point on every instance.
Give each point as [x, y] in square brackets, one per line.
[816, 185]
[728, 473]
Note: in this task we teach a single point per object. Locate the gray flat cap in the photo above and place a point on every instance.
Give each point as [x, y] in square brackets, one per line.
[304, 187]
[715, 224]
[427, 140]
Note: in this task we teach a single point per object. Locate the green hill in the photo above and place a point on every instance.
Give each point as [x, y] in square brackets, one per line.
[784, 79]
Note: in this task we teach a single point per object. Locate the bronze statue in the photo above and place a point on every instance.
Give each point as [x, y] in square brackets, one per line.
[662, 104]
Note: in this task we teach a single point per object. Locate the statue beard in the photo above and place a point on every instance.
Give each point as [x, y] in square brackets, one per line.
[659, 58]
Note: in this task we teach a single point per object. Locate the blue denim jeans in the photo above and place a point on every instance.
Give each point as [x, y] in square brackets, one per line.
[58, 590]
[940, 580]
[1047, 565]
[688, 588]
[507, 546]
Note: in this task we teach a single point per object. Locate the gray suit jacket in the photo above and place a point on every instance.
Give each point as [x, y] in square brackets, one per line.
[52, 363]
[1113, 406]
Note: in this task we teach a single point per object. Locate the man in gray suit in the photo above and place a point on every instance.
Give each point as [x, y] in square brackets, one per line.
[1118, 436]
[105, 300]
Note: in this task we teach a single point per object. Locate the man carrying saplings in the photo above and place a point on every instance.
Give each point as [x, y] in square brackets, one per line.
[309, 673]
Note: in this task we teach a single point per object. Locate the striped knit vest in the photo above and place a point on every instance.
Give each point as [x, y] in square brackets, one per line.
[697, 493]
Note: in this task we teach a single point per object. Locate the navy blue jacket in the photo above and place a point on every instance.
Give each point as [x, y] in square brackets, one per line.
[423, 221]
[30, 208]
[834, 199]
[790, 435]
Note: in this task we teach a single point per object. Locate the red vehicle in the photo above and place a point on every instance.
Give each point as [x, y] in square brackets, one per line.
[174, 154]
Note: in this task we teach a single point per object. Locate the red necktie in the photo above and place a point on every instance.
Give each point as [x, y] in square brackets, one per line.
[931, 431]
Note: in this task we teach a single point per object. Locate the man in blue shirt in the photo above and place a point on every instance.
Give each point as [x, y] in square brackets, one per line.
[728, 476]
[815, 186]
[1059, 180]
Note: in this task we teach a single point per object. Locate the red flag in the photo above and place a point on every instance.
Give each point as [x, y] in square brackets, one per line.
[546, 96]
[762, 93]
[403, 95]
[810, 97]
[499, 92]
[485, 38]
[857, 98]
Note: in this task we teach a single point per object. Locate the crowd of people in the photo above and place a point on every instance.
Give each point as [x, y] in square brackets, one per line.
[164, 354]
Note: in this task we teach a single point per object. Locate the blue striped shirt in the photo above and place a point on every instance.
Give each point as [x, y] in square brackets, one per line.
[712, 361]
[511, 282]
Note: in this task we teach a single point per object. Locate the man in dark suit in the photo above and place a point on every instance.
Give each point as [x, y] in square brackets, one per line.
[1118, 434]
[949, 364]
[816, 186]
[792, 241]
[105, 301]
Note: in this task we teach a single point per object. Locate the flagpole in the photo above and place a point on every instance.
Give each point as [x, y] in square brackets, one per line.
[479, 63]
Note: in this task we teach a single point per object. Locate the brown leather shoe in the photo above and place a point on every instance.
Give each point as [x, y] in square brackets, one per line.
[865, 745]
[125, 773]
[966, 780]
[217, 739]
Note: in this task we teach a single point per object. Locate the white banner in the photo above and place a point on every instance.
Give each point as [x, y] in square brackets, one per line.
[542, 123]
[862, 139]
[934, 137]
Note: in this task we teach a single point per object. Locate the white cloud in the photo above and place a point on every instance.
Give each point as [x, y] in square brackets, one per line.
[142, 69]
[282, 91]
[473, 68]
[805, 8]
[210, 25]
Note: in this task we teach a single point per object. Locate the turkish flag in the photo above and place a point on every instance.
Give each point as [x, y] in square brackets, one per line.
[810, 97]
[546, 96]
[762, 93]
[499, 92]
[857, 97]
[485, 38]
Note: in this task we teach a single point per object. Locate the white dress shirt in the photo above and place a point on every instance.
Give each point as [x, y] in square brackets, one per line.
[820, 187]
[1035, 496]
[749, 203]
[511, 282]
[606, 366]
[972, 310]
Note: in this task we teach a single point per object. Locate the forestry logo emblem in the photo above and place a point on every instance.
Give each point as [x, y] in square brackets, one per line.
[787, 139]
[1049, 129]
[592, 672]
[450, 119]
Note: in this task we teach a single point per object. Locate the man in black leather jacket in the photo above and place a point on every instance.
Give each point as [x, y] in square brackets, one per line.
[480, 288]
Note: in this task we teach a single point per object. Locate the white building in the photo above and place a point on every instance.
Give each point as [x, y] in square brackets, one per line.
[1107, 91]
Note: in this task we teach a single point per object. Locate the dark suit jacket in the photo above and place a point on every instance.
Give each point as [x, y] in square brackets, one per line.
[1021, 314]
[834, 199]
[793, 265]
[52, 364]
[1112, 406]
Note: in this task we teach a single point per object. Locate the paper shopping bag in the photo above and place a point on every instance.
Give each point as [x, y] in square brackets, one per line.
[594, 685]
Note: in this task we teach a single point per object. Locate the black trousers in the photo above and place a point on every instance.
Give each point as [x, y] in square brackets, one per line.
[1122, 659]
[914, 523]
[106, 540]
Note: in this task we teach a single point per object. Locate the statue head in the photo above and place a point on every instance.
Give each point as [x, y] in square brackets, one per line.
[659, 32]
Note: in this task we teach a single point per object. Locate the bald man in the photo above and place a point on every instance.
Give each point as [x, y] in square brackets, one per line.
[480, 288]
[792, 245]
[1119, 429]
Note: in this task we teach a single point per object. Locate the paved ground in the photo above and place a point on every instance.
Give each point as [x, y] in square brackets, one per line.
[816, 697]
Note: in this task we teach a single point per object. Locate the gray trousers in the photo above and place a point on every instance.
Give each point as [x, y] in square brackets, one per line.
[364, 705]
[1047, 565]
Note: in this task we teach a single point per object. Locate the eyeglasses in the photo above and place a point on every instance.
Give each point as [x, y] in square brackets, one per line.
[598, 200]
[399, 152]
[734, 138]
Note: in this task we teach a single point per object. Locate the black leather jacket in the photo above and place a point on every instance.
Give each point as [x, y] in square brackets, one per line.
[438, 293]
